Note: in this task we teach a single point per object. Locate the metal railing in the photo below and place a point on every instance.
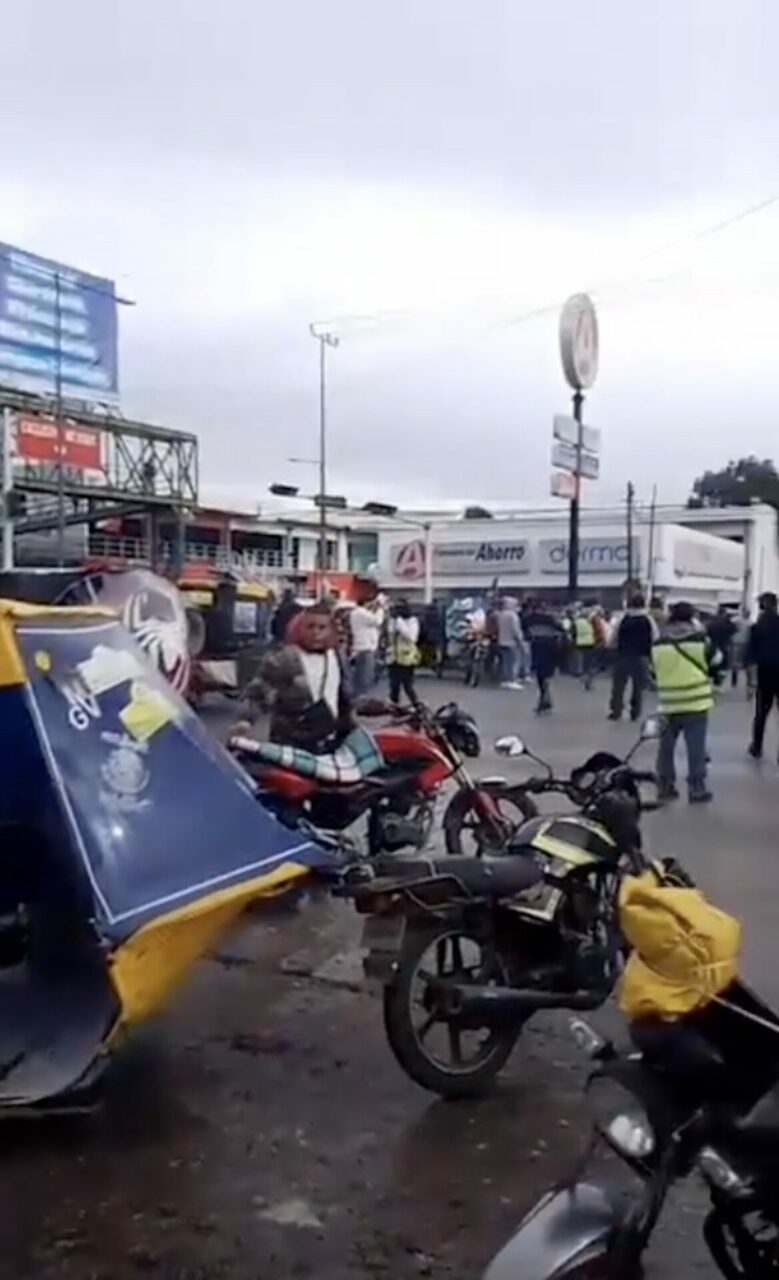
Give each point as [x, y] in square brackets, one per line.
[260, 563]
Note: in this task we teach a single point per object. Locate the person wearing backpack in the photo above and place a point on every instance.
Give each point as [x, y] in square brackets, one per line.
[680, 658]
[402, 653]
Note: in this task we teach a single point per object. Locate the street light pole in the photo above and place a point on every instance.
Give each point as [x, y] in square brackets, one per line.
[325, 340]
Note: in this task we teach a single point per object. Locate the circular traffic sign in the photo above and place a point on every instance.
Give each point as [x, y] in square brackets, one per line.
[579, 341]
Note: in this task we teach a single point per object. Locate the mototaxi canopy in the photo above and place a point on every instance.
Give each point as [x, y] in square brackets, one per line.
[143, 826]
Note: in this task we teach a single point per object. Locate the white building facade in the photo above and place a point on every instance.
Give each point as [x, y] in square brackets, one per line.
[528, 554]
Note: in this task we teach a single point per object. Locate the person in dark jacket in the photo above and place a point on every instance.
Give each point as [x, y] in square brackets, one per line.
[287, 609]
[722, 632]
[545, 636]
[762, 661]
[633, 645]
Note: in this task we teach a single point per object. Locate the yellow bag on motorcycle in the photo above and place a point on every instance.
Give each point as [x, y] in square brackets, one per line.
[685, 950]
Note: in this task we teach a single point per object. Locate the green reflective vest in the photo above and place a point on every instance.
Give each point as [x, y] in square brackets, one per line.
[585, 633]
[682, 675]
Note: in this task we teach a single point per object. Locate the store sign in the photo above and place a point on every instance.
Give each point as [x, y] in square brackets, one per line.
[490, 557]
[43, 440]
[596, 555]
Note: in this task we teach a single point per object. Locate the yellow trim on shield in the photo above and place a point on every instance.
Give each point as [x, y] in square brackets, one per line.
[21, 611]
[147, 968]
[12, 671]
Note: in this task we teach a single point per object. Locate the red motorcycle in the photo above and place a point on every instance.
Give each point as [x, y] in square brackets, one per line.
[422, 750]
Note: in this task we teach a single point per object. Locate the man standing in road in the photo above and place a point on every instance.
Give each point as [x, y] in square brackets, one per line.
[545, 635]
[585, 639]
[633, 644]
[722, 631]
[365, 621]
[402, 653]
[510, 641]
[762, 662]
[685, 696]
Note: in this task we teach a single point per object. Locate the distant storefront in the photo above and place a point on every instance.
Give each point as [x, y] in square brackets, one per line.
[530, 556]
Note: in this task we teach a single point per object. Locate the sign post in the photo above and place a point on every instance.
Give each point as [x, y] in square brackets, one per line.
[579, 355]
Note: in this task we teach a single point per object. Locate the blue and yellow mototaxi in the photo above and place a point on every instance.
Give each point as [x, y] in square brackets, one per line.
[130, 842]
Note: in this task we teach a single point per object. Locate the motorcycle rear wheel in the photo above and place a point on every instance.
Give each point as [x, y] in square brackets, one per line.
[460, 1077]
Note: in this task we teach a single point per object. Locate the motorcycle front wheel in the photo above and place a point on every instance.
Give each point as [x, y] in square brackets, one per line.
[437, 1053]
[468, 831]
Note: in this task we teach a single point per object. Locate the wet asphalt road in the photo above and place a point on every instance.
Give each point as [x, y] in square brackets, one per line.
[262, 1128]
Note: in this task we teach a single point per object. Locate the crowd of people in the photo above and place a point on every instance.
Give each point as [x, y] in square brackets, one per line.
[323, 657]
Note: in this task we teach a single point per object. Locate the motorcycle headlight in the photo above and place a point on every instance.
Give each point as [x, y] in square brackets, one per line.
[621, 1118]
[632, 1134]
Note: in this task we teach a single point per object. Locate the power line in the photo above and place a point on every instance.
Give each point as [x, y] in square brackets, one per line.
[689, 238]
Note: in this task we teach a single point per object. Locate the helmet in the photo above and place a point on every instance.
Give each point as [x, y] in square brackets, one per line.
[618, 811]
[460, 728]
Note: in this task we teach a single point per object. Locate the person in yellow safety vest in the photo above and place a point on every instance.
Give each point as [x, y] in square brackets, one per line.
[680, 658]
[585, 640]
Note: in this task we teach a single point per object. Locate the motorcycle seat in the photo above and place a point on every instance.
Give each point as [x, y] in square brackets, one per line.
[481, 877]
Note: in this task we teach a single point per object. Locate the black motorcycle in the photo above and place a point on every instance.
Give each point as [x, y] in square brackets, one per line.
[700, 1096]
[467, 949]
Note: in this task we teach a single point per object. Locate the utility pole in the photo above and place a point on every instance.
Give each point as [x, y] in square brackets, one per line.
[650, 573]
[573, 529]
[630, 496]
[325, 340]
[58, 417]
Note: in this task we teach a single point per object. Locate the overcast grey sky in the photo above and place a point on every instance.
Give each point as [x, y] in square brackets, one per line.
[442, 166]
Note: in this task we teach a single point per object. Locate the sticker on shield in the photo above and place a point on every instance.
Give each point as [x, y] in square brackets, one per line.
[147, 712]
[125, 774]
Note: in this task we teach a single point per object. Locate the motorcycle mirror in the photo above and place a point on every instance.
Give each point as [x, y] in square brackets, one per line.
[511, 745]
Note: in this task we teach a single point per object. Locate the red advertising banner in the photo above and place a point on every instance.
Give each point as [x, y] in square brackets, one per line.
[40, 440]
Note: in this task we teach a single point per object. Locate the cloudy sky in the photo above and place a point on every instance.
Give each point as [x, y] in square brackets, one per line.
[434, 177]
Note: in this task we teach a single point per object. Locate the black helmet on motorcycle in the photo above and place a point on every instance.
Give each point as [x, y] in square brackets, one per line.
[460, 728]
[619, 811]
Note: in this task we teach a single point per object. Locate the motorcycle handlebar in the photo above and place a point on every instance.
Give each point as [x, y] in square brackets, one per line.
[238, 745]
[580, 794]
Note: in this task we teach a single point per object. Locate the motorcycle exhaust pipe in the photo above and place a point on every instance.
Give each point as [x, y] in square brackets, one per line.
[500, 1006]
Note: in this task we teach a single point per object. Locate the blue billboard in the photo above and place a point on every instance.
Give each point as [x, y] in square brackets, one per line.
[58, 330]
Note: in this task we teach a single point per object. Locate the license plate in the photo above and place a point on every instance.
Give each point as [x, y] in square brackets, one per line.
[382, 938]
[383, 933]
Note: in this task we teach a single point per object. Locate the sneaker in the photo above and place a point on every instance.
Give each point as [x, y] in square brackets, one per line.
[755, 752]
[700, 797]
[667, 793]
[615, 715]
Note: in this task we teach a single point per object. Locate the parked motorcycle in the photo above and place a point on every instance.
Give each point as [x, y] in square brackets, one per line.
[477, 655]
[422, 750]
[467, 949]
[704, 1099]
